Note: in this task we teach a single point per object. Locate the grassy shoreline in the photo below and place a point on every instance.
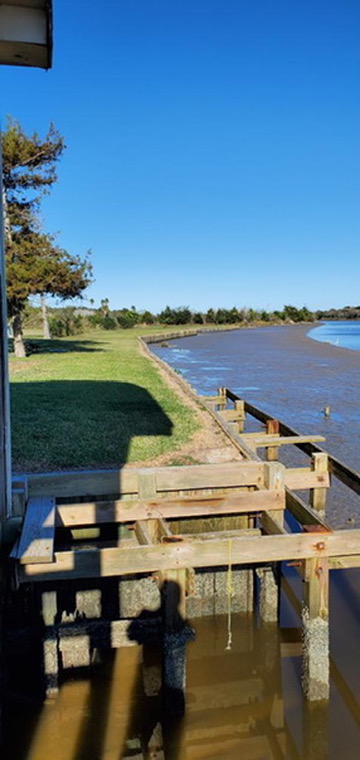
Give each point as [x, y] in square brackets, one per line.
[93, 401]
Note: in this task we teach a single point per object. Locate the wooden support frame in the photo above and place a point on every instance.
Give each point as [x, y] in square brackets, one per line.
[247, 550]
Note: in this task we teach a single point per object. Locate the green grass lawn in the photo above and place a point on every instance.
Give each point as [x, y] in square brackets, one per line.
[93, 401]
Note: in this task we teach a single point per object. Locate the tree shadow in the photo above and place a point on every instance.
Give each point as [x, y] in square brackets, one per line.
[56, 346]
[73, 424]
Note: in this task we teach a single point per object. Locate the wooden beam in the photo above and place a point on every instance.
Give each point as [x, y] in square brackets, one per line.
[37, 536]
[263, 441]
[108, 562]
[95, 513]
[304, 478]
[303, 512]
[127, 481]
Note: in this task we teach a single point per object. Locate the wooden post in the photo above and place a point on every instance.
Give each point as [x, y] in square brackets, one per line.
[315, 617]
[240, 407]
[175, 637]
[223, 396]
[272, 428]
[50, 642]
[269, 577]
[320, 465]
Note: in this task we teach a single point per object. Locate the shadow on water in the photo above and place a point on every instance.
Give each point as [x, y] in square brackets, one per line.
[87, 414]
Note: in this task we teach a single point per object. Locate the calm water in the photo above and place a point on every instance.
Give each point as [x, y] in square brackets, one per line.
[337, 333]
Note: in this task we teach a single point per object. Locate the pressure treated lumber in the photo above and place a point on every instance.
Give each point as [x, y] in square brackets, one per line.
[263, 441]
[128, 481]
[37, 537]
[96, 513]
[92, 563]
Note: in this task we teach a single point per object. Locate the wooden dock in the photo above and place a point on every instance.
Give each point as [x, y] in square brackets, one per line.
[103, 549]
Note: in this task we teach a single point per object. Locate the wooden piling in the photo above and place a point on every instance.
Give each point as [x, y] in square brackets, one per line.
[320, 465]
[315, 618]
[272, 428]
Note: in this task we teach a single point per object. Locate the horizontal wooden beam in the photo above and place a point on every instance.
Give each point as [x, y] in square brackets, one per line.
[94, 563]
[122, 511]
[126, 480]
[303, 478]
[263, 441]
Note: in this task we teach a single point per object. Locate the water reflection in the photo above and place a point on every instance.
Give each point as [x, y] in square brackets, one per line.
[246, 702]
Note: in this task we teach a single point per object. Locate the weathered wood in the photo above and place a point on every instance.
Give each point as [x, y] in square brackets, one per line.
[320, 465]
[177, 507]
[37, 537]
[143, 559]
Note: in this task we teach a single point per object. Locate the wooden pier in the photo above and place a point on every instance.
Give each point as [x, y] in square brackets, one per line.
[104, 551]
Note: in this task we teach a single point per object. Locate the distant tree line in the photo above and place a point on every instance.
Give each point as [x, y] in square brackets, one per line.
[72, 320]
[347, 312]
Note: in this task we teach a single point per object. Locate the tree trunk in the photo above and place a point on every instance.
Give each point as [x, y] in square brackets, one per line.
[19, 347]
[45, 317]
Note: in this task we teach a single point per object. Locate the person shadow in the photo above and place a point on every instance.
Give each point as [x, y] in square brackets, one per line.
[163, 634]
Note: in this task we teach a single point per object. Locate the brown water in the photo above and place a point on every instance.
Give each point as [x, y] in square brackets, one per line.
[246, 701]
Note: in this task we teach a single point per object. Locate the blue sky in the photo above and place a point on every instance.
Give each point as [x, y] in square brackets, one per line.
[213, 151]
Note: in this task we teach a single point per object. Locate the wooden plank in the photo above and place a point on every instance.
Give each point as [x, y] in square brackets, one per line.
[271, 525]
[304, 478]
[344, 563]
[262, 441]
[85, 483]
[37, 536]
[126, 481]
[231, 415]
[207, 476]
[142, 533]
[124, 511]
[114, 561]
[302, 512]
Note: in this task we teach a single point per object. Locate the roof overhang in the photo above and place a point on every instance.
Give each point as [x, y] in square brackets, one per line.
[26, 33]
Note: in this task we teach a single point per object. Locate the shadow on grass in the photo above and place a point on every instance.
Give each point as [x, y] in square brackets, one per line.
[58, 346]
[75, 424]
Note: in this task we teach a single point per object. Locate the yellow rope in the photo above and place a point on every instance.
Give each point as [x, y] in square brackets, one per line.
[230, 593]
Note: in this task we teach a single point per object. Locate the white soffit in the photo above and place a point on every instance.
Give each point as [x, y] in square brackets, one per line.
[26, 33]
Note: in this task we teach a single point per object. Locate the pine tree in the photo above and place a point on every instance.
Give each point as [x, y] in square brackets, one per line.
[34, 264]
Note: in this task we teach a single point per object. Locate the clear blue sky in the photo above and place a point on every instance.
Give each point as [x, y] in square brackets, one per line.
[213, 148]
